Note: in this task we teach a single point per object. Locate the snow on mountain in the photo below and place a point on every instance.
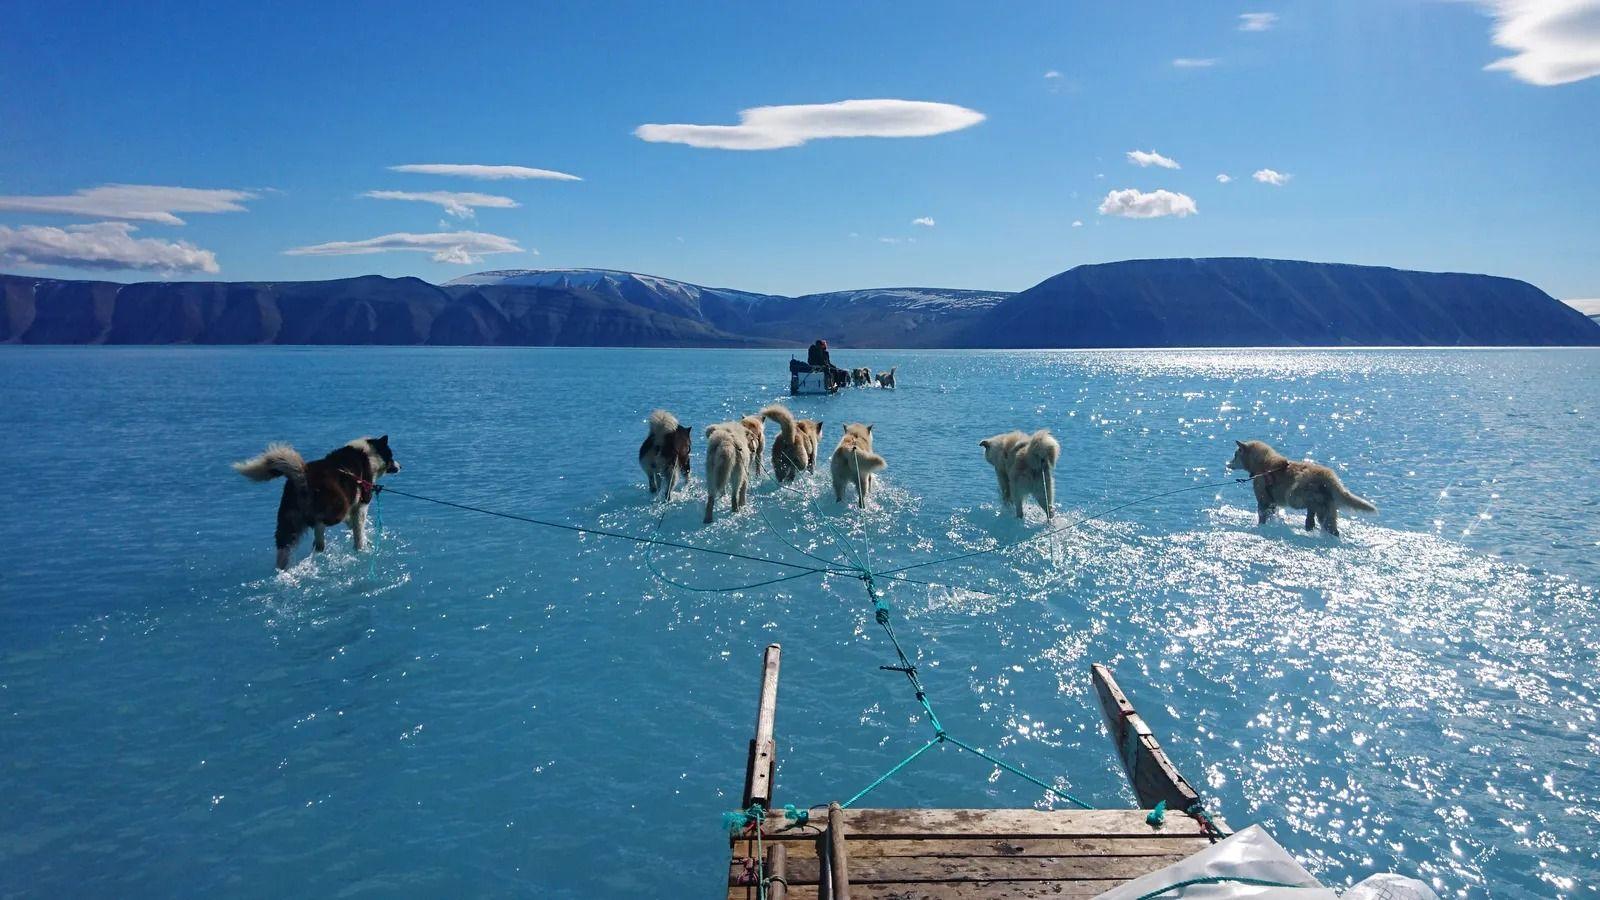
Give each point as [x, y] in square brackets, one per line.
[610, 281]
[916, 298]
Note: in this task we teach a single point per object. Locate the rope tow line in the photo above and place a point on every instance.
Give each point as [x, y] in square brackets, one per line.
[601, 532]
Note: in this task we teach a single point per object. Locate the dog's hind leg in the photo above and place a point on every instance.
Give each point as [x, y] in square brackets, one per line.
[319, 542]
[1049, 494]
[1330, 518]
[1264, 512]
[1311, 519]
[669, 481]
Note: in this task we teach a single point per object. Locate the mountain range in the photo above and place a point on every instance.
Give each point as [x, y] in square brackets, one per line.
[1136, 303]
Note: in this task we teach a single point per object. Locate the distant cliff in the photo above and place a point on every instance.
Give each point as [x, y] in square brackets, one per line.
[1276, 303]
[1139, 303]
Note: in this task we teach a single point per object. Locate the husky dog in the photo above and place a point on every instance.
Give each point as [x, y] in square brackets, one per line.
[756, 430]
[1024, 465]
[1001, 452]
[886, 379]
[336, 488]
[854, 463]
[727, 465]
[861, 376]
[1279, 481]
[795, 447]
[664, 455]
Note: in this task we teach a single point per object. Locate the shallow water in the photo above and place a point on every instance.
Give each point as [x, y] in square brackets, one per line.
[499, 708]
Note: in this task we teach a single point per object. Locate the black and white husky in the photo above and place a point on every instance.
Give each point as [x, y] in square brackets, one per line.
[336, 488]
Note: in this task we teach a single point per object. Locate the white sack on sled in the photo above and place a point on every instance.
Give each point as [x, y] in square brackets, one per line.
[1251, 853]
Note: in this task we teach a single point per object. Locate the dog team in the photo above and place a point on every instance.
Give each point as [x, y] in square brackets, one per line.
[340, 486]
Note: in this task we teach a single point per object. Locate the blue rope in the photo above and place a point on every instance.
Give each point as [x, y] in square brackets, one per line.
[885, 776]
[1220, 879]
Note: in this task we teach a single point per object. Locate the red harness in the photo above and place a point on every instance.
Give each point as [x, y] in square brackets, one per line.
[365, 487]
[1266, 477]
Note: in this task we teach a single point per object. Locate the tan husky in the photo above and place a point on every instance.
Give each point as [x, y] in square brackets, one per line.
[727, 465]
[795, 447]
[1279, 481]
[854, 463]
[1025, 466]
[756, 430]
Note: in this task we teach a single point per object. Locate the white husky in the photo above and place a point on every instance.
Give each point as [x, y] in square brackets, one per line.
[1024, 465]
[727, 465]
[854, 463]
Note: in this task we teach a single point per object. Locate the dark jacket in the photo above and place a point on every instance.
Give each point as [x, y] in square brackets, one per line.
[817, 355]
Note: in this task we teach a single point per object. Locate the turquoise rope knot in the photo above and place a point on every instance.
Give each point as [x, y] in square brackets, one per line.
[738, 820]
[797, 816]
[1158, 815]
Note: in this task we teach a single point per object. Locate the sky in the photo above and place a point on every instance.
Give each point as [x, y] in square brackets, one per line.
[797, 148]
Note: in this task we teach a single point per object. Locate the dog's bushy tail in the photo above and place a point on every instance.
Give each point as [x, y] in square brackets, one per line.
[868, 463]
[784, 418]
[1042, 451]
[662, 423]
[1343, 495]
[279, 460]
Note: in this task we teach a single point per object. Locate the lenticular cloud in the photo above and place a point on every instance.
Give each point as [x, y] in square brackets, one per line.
[461, 247]
[1555, 41]
[775, 127]
[133, 202]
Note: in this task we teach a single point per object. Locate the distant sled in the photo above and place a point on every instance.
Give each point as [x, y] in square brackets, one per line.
[806, 379]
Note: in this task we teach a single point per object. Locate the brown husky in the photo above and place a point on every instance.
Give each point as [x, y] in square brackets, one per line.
[336, 488]
[795, 447]
[1279, 481]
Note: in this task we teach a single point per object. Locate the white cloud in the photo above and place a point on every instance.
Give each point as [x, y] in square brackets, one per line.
[775, 127]
[1143, 160]
[1269, 176]
[133, 202]
[1189, 62]
[1587, 307]
[100, 245]
[1555, 41]
[1076, 223]
[1134, 204]
[1258, 21]
[483, 173]
[1224, 178]
[1052, 74]
[458, 204]
[925, 221]
[462, 247]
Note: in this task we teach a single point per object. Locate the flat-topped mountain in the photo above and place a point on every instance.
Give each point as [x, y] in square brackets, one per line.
[1137, 303]
[1246, 302]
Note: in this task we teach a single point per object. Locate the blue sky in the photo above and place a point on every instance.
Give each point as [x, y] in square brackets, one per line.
[1400, 147]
